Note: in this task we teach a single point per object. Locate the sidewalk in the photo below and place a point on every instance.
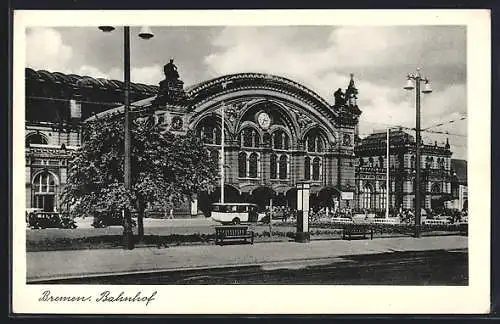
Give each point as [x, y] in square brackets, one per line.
[65, 264]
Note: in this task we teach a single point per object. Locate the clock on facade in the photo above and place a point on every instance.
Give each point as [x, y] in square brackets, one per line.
[264, 120]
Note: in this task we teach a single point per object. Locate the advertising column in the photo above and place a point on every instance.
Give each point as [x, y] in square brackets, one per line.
[302, 235]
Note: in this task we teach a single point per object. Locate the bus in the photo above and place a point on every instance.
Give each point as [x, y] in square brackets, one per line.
[236, 213]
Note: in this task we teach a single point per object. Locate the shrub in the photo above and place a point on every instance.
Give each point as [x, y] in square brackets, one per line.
[50, 220]
[109, 218]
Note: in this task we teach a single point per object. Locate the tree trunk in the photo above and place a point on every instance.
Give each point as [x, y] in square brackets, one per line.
[140, 220]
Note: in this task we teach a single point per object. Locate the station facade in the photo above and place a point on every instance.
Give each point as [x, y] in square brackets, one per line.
[277, 133]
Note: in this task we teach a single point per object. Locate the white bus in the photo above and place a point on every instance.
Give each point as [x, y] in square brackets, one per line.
[235, 213]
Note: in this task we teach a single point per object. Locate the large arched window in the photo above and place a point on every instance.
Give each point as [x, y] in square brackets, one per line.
[242, 165]
[255, 139]
[35, 139]
[361, 162]
[44, 183]
[283, 167]
[319, 145]
[370, 162]
[315, 171]
[311, 144]
[382, 196]
[44, 190]
[366, 196]
[253, 165]
[280, 140]
[274, 166]
[277, 143]
[314, 142]
[249, 137]
[412, 162]
[307, 168]
[436, 188]
[210, 134]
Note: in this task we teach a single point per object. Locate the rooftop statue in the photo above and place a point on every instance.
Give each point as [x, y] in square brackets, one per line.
[170, 71]
[171, 88]
[339, 98]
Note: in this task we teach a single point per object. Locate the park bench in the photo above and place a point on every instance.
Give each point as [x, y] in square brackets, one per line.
[233, 233]
[356, 230]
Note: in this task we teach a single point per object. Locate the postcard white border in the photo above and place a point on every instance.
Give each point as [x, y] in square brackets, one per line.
[281, 299]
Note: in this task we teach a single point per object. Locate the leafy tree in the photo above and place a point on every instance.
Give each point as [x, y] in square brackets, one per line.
[167, 169]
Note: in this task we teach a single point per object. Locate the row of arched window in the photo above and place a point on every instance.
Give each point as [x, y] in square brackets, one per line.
[372, 163]
[430, 163]
[248, 165]
[312, 170]
[249, 137]
[368, 199]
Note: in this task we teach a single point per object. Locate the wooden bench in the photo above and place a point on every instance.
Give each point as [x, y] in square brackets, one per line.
[356, 230]
[233, 233]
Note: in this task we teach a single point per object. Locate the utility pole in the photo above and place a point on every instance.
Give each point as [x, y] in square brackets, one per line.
[417, 79]
[222, 159]
[387, 176]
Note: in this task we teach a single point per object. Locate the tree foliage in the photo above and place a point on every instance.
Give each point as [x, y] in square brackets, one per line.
[167, 169]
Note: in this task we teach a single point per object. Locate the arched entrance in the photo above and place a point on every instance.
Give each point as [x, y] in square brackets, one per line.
[326, 197]
[262, 197]
[291, 198]
[205, 199]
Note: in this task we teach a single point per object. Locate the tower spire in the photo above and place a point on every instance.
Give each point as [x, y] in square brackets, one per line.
[351, 92]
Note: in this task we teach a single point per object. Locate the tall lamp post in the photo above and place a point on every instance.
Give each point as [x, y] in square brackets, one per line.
[145, 33]
[414, 80]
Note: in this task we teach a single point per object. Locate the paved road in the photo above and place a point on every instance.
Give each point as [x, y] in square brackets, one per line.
[435, 267]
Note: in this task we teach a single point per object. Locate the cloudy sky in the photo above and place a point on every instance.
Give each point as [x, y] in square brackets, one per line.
[319, 57]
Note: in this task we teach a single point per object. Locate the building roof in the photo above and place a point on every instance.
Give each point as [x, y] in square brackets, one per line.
[459, 167]
[77, 82]
[376, 143]
[48, 95]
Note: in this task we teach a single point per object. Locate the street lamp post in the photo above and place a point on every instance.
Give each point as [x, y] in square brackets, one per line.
[145, 33]
[417, 78]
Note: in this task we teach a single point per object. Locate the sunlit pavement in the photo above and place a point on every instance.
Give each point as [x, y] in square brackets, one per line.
[54, 264]
[434, 267]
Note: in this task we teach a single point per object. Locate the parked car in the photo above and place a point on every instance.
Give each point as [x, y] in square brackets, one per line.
[41, 220]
